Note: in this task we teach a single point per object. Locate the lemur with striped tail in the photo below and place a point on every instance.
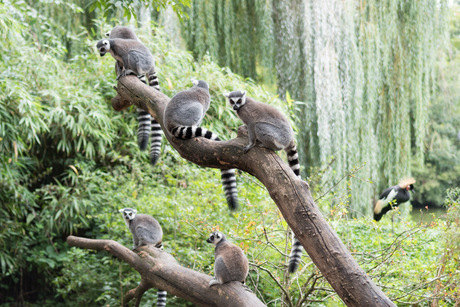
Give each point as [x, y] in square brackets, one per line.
[268, 128]
[230, 264]
[146, 231]
[148, 126]
[182, 118]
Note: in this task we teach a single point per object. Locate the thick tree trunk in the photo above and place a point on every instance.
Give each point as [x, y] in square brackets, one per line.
[291, 195]
[161, 271]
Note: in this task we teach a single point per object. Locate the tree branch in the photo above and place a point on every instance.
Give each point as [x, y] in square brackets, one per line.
[160, 270]
[136, 293]
[291, 195]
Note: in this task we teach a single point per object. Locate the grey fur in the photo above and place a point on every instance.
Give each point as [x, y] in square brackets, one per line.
[148, 126]
[132, 56]
[231, 264]
[145, 229]
[121, 32]
[182, 118]
[188, 107]
[269, 128]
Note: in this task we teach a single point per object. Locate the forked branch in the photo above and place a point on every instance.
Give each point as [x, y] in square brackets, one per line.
[160, 270]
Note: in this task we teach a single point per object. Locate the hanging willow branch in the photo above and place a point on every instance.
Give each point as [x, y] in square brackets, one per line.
[291, 195]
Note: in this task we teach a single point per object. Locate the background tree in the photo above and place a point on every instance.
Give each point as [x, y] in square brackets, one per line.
[364, 71]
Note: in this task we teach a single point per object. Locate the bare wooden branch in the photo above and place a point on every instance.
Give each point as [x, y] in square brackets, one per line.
[291, 195]
[161, 271]
[136, 293]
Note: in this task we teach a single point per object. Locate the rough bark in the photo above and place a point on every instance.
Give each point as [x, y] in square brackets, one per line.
[160, 270]
[291, 195]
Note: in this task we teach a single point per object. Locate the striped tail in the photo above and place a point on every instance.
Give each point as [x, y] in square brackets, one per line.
[161, 298]
[143, 130]
[293, 159]
[156, 136]
[188, 132]
[294, 257]
[153, 80]
[156, 133]
[229, 185]
[227, 176]
[296, 252]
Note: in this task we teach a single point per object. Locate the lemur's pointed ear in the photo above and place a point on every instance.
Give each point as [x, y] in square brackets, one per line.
[135, 211]
[121, 210]
[243, 93]
[195, 82]
[227, 95]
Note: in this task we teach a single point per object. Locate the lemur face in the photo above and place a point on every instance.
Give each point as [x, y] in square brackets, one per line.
[128, 213]
[237, 99]
[215, 237]
[103, 46]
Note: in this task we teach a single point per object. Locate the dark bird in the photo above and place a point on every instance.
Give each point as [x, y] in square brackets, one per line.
[393, 197]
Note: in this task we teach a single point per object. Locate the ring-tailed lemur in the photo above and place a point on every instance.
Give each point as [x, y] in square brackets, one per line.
[146, 231]
[269, 128]
[182, 118]
[147, 124]
[231, 264]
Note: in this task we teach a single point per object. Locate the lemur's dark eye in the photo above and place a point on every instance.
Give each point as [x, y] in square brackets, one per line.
[239, 100]
[212, 238]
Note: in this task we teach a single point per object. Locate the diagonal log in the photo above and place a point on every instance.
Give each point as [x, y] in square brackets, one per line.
[291, 195]
[160, 270]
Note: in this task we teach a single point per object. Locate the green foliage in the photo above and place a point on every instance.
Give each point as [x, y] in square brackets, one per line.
[131, 8]
[63, 148]
[405, 263]
[441, 167]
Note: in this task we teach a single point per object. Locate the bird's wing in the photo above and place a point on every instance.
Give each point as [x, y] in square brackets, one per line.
[385, 198]
[385, 193]
[390, 195]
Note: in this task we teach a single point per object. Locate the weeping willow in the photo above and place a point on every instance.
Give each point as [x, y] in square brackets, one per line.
[364, 71]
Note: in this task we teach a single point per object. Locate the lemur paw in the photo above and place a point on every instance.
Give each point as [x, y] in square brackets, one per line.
[246, 148]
